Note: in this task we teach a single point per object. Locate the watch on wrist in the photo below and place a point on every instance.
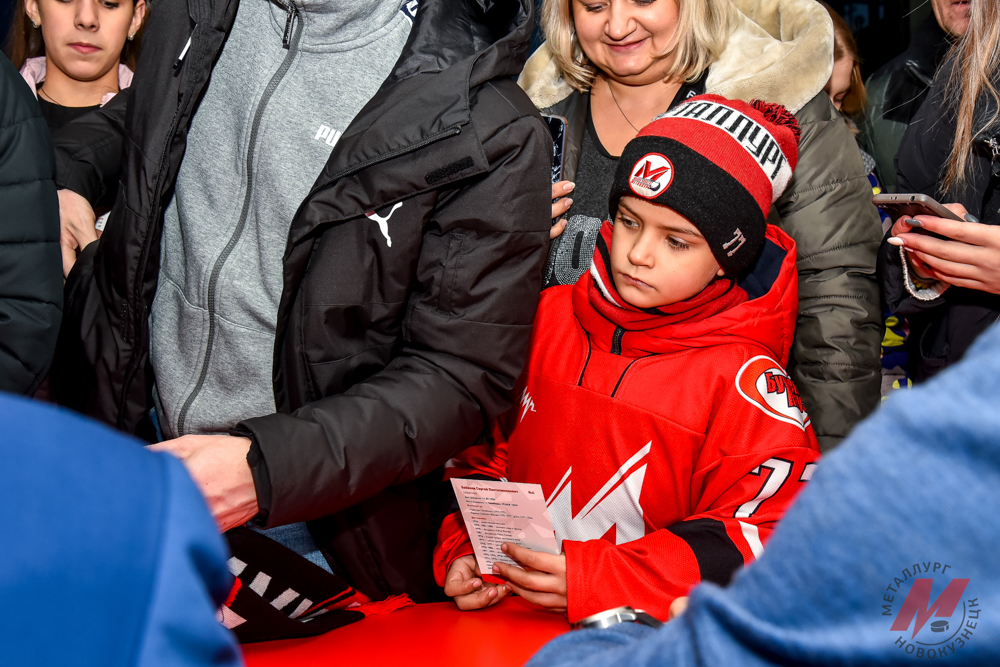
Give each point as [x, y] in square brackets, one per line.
[606, 619]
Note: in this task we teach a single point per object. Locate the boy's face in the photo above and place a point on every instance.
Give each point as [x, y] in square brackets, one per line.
[657, 256]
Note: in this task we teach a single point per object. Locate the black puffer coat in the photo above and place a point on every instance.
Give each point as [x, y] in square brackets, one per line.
[387, 361]
[943, 328]
[30, 262]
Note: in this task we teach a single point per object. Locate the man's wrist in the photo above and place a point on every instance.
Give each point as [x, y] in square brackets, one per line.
[261, 480]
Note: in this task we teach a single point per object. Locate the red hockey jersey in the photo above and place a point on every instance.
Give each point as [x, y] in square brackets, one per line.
[667, 446]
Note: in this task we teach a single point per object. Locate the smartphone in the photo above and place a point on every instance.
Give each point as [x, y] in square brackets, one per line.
[557, 128]
[906, 205]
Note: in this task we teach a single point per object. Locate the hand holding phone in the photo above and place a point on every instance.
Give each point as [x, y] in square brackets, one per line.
[561, 202]
[907, 205]
[969, 255]
[557, 128]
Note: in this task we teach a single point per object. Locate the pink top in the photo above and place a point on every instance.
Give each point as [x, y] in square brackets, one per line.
[33, 72]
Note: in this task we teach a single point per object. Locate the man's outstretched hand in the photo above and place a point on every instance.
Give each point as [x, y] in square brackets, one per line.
[218, 466]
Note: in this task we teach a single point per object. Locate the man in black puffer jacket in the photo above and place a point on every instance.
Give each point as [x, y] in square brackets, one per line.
[30, 278]
[317, 333]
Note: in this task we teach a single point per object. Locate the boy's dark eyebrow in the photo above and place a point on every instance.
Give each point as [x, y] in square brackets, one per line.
[669, 228]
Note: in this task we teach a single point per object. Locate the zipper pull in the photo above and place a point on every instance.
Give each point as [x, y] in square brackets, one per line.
[180, 58]
[616, 340]
[292, 12]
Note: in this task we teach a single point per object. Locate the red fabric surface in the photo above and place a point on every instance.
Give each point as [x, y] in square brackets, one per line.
[717, 297]
[428, 634]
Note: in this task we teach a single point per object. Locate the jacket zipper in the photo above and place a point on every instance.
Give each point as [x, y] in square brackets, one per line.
[292, 46]
[616, 341]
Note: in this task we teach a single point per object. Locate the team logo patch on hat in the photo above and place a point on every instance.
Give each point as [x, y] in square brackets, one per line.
[651, 175]
[762, 381]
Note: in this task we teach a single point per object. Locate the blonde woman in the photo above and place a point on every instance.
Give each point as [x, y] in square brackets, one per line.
[949, 288]
[611, 66]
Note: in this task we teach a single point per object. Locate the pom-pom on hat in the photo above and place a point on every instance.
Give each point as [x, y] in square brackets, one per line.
[720, 163]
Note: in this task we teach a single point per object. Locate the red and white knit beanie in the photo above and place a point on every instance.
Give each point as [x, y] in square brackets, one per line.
[720, 163]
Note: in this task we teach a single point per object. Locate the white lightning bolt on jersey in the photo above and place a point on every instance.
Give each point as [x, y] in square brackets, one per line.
[619, 508]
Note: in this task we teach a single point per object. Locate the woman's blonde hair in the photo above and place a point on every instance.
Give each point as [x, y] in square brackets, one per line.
[703, 28]
[975, 61]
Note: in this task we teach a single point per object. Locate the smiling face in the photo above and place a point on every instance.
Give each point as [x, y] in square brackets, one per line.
[84, 38]
[624, 38]
[953, 17]
[840, 81]
[657, 256]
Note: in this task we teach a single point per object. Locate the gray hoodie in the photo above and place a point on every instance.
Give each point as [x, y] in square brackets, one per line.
[262, 134]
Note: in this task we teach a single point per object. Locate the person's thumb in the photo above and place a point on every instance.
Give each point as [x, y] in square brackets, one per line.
[677, 607]
[68, 258]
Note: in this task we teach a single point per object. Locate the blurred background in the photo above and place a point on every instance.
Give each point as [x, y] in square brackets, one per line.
[882, 27]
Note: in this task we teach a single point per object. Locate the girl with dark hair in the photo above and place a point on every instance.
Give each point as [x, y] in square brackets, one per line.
[75, 55]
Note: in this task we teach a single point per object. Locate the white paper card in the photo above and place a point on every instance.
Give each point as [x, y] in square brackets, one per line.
[498, 512]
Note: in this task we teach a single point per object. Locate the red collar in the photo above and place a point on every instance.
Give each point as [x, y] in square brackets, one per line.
[720, 295]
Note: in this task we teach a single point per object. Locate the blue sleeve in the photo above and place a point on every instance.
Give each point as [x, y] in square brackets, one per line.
[631, 644]
[192, 581]
[909, 497]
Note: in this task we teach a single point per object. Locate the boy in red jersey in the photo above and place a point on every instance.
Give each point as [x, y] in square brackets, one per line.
[655, 410]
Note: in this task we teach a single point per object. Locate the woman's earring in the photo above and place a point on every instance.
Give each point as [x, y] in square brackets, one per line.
[131, 37]
[35, 25]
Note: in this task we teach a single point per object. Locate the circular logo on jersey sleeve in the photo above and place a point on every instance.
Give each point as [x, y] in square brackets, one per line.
[651, 175]
[766, 385]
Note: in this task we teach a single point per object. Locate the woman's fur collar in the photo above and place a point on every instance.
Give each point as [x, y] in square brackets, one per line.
[780, 51]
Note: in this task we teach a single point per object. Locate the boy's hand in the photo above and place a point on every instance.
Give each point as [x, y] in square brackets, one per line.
[464, 583]
[543, 579]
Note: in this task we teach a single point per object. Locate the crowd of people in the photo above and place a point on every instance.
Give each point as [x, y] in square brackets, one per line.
[321, 253]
